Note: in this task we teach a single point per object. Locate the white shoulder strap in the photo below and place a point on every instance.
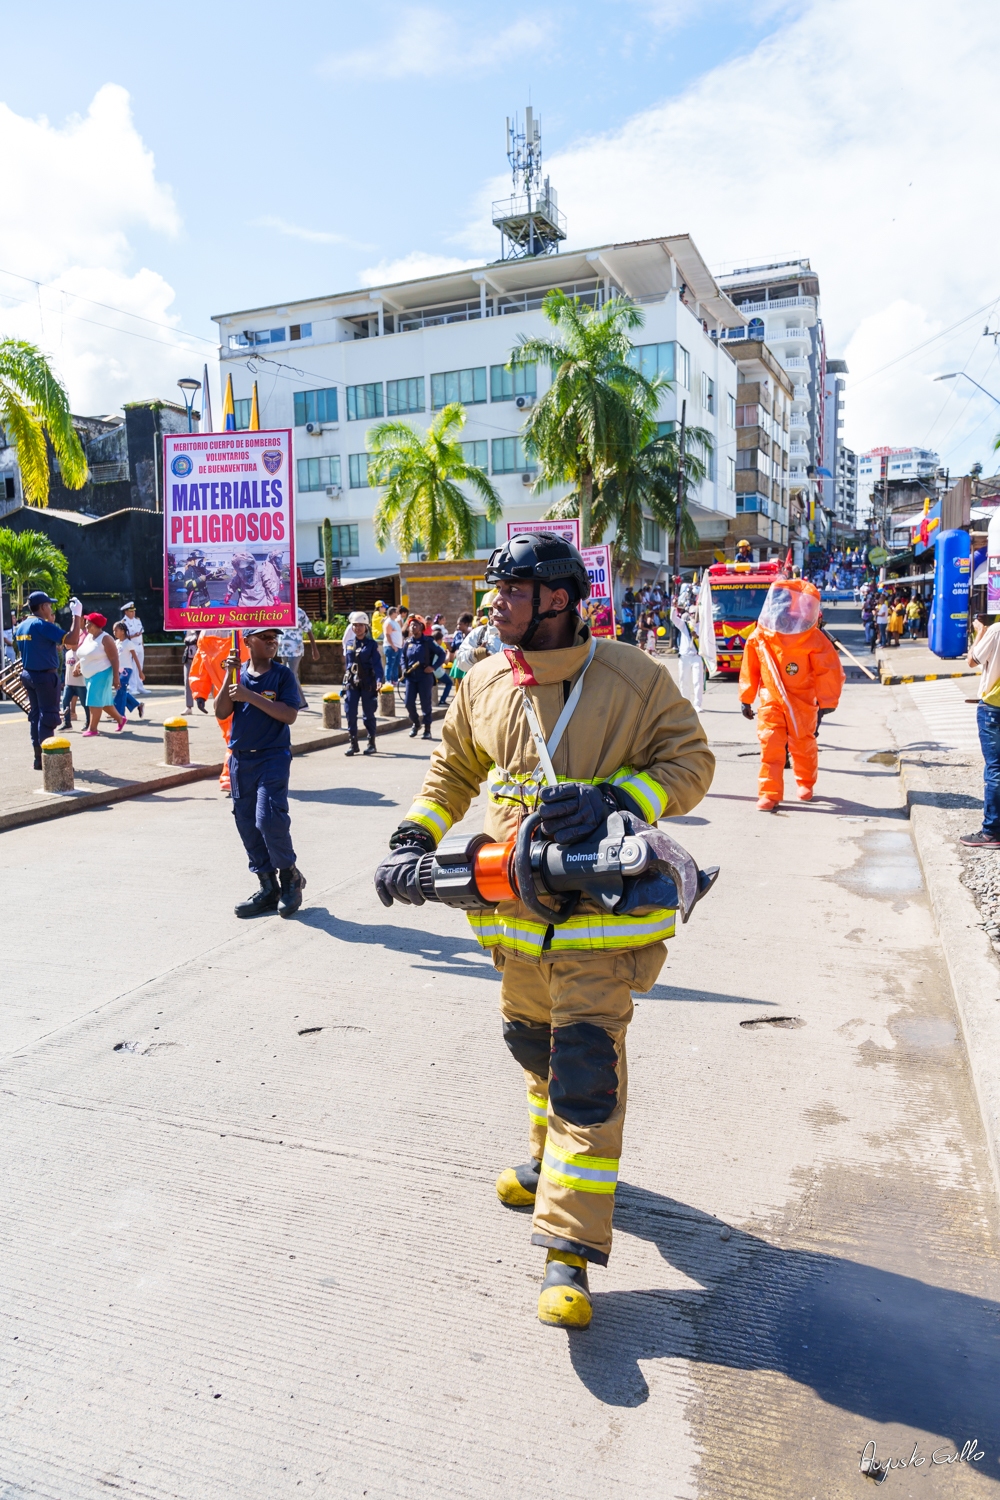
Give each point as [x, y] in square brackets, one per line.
[546, 751]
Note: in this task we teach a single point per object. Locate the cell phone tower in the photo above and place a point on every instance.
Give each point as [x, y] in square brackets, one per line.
[529, 220]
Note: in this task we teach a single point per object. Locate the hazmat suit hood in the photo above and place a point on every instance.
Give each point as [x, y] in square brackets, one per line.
[792, 607]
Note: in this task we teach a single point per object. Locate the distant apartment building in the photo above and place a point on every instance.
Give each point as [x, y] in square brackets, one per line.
[760, 465]
[846, 489]
[780, 304]
[891, 483]
[337, 364]
[830, 482]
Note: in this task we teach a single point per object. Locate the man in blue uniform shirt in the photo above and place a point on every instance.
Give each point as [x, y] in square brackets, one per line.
[263, 704]
[38, 640]
[362, 679]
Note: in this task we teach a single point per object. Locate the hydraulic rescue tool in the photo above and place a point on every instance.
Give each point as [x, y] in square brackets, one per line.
[626, 866]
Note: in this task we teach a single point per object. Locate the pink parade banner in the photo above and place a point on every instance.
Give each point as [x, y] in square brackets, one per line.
[599, 609]
[229, 530]
[569, 529]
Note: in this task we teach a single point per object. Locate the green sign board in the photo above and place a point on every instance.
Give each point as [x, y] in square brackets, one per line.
[877, 556]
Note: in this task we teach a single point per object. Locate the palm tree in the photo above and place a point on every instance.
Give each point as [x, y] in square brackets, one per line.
[647, 480]
[29, 560]
[423, 508]
[33, 404]
[585, 424]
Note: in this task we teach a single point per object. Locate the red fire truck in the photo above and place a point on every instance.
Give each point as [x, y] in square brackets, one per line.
[738, 594]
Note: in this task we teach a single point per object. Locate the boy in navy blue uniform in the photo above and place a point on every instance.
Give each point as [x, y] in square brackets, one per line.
[263, 703]
[38, 640]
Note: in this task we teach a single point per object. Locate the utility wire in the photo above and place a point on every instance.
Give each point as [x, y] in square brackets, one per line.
[927, 342]
[79, 297]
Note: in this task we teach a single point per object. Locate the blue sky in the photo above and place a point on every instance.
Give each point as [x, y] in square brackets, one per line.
[176, 170]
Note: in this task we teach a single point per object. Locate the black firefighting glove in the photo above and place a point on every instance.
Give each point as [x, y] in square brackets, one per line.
[572, 812]
[746, 710]
[396, 876]
[820, 716]
[201, 704]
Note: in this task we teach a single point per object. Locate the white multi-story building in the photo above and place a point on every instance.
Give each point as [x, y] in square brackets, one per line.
[330, 367]
[780, 305]
[898, 468]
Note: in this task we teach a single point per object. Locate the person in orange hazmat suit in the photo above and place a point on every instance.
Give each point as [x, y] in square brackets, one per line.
[796, 670]
[208, 673]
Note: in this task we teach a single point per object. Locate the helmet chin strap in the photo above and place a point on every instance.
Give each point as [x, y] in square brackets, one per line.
[537, 617]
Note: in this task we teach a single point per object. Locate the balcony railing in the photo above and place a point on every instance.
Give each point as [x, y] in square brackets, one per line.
[779, 335]
[795, 362]
[751, 308]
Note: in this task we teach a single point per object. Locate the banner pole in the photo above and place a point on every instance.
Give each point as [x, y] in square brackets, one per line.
[236, 653]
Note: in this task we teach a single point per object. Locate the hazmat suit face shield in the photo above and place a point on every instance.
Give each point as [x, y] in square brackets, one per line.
[790, 611]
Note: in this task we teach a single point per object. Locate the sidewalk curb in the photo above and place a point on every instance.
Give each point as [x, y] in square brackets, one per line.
[968, 954]
[60, 809]
[891, 680]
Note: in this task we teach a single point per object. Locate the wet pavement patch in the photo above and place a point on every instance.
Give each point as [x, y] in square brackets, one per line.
[886, 867]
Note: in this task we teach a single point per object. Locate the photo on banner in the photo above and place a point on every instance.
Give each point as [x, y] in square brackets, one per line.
[229, 530]
[599, 609]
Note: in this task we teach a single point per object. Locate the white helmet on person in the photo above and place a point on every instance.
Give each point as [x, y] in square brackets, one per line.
[358, 618]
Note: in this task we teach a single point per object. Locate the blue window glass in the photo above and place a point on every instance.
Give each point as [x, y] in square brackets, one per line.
[357, 468]
[316, 406]
[467, 386]
[317, 473]
[509, 457]
[477, 453]
[507, 385]
[404, 396]
[364, 402]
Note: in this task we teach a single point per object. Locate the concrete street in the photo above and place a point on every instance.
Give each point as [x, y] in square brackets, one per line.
[251, 1245]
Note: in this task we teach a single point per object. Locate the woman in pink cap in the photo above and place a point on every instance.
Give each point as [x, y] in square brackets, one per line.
[97, 655]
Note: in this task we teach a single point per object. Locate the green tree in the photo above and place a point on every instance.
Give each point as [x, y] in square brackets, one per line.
[646, 480]
[589, 420]
[29, 560]
[33, 403]
[423, 508]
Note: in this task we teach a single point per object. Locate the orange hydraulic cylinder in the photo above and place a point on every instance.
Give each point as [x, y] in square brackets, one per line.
[493, 872]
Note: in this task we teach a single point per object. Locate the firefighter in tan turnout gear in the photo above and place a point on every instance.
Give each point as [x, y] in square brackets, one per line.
[616, 734]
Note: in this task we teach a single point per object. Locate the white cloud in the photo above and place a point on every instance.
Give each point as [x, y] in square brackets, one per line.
[859, 135]
[429, 42]
[70, 196]
[297, 232]
[410, 267]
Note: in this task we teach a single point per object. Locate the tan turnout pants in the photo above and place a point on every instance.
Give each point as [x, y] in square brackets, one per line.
[564, 1021]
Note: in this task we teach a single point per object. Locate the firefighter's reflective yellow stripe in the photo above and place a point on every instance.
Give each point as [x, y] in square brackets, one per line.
[587, 1174]
[592, 932]
[522, 788]
[432, 816]
[644, 791]
[538, 1108]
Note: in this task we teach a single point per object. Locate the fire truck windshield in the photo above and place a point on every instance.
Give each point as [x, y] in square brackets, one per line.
[737, 603]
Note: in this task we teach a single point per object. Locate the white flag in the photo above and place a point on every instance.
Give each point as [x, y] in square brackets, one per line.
[706, 625]
[206, 404]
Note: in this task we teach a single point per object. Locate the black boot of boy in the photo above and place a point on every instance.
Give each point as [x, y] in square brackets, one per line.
[264, 900]
[292, 885]
[353, 748]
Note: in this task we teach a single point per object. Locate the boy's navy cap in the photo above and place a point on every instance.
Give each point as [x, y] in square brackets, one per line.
[261, 630]
[39, 597]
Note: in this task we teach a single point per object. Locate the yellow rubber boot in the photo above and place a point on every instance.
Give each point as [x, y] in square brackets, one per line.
[516, 1186]
[564, 1301]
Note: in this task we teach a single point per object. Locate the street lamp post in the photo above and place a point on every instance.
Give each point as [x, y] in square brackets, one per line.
[955, 374]
[188, 388]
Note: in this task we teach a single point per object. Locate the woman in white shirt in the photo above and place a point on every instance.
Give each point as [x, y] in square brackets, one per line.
[98, 658]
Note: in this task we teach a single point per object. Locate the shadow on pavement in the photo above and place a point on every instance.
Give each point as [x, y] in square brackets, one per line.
[346, 796]
[452, 955]
[885, 1346]
[953, 801]
[676, 992]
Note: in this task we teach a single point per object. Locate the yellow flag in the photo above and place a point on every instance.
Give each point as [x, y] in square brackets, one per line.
[254, 411]
[228, 409]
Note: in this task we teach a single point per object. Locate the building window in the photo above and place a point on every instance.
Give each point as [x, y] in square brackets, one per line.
[745, 504]
[509, 457]
[317, 473]
[731, 409]
[672, 361]
[748, 416]
[364, 402]
[665, 429]
[249, 337]
[343, 541]
[707, 393]
[300, 331]
[749, 458]
[357, 468]
[467, 386]
[477, 454]
[316, 406]
[242, 413]
[650, 535]
[507, 385]
[402, 396]
[731, 473]
[486, 533]
[710, 469]
[755, 329]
